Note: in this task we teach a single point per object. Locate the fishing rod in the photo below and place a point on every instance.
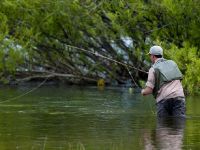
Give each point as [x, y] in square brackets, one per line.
[113, 60]
[108, 58]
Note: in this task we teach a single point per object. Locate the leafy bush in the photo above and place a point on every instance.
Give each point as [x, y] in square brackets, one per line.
[189, 63]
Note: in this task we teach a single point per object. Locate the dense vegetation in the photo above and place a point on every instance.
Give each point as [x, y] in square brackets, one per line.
[66, 39]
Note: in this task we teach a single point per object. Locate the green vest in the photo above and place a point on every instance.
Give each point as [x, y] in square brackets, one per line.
[165, 71]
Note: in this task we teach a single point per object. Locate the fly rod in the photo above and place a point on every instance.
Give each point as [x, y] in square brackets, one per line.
[108, 58]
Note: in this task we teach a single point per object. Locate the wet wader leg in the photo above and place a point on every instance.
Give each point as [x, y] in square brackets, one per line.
[178, 107]
[162, 108]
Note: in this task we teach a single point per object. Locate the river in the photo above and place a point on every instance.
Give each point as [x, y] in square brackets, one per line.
[89, 118]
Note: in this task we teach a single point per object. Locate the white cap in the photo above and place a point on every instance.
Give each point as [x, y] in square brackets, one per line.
[156, 50]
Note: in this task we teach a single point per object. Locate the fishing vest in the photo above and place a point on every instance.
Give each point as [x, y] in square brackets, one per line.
[165, 72]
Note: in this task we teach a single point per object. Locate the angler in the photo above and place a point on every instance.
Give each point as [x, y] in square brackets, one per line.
[164, 82]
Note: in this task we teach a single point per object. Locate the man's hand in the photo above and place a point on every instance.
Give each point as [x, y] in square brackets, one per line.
[142, 92]
[146, 91]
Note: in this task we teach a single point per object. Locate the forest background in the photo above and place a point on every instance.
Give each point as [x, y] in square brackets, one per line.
[82, 41]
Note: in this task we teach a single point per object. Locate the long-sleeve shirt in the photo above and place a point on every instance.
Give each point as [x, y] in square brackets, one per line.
[169, 90]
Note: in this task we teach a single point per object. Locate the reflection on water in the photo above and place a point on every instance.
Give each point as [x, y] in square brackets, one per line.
[168, 134]
[90, 118]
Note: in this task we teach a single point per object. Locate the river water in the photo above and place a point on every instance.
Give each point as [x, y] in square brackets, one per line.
[89, 118]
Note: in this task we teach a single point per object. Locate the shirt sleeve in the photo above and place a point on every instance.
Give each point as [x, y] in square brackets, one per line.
[151, 78]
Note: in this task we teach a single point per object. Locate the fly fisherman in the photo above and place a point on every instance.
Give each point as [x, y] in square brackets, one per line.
[164, 83]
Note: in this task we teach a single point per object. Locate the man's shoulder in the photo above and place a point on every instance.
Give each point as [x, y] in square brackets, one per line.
[169, 60]
[163, 63]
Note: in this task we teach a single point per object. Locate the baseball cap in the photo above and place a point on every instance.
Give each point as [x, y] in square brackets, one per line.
[156, 50]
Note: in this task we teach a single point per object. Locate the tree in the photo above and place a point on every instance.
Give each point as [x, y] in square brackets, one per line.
[69, 37]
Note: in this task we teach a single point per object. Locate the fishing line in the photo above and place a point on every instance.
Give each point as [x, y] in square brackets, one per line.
[131, 76]
[96, 54]
[26, 93]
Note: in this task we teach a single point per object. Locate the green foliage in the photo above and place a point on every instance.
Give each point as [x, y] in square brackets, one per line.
[3, 26]
[45, 29]
[189, 63]
[142, 83]
[11, 57]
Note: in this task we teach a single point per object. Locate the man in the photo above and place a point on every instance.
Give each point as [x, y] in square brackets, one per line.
[164, 83]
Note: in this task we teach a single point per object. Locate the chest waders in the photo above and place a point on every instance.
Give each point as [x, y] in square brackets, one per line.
[165, 72]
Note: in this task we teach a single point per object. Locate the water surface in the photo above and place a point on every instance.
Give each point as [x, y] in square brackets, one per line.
[88, 118]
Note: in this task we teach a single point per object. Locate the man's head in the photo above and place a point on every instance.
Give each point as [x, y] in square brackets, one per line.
[155, 52]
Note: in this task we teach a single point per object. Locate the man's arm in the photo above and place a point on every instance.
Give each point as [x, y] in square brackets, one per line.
[149, 84]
